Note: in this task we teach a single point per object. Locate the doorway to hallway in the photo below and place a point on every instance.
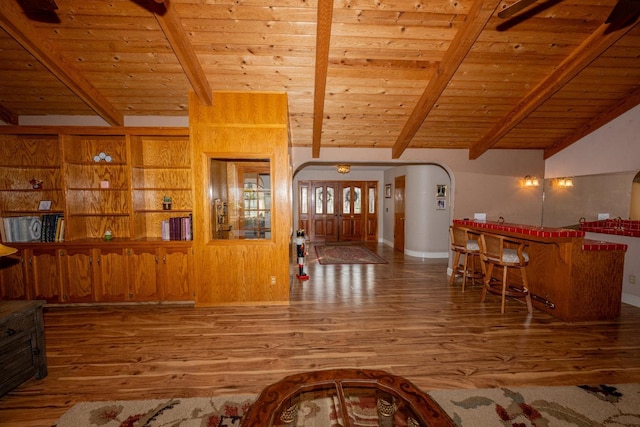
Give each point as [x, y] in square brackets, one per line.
[338, 211]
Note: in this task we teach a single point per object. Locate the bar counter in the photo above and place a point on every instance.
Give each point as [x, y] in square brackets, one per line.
[570, 277]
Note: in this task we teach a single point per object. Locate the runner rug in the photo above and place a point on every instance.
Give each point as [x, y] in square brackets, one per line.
[584, 406]
[347, 254]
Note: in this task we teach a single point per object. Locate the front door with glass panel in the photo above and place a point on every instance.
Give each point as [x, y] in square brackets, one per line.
[324, 208]
[351, 211]
[332, 211]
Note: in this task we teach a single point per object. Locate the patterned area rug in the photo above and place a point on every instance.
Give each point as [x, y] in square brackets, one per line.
[347, 254]
[583, 406]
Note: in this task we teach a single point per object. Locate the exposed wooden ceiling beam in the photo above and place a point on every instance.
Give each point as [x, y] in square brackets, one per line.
[600, 120]
[323, 39]
[8, 116]
[476, 20]
[173, 30]
[594, 45]
[22, 30]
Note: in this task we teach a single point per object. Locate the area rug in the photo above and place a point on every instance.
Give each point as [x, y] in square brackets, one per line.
[583, 406]
[222, 411]
[347, 254]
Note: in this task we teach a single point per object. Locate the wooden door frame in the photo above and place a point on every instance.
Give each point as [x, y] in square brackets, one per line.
[305, 221]
[399, 213]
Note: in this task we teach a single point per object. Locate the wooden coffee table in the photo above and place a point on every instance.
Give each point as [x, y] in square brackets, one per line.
[345, 397]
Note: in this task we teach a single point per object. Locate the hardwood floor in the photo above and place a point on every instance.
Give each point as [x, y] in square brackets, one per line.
[402, 317]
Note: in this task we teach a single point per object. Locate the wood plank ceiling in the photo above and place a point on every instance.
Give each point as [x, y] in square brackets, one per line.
[359, 73]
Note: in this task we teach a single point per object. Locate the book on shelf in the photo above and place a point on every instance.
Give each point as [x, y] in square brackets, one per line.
[52, 228]
[177, 228]
[45, 228]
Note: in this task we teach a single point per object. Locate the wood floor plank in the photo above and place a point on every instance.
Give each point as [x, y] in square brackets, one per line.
[402, 317]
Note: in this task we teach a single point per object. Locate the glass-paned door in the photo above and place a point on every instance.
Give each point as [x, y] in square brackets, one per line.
[351, 211]
[256, 205]
[325, 213]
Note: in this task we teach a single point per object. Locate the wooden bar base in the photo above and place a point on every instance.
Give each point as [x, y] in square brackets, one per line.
[570, 278]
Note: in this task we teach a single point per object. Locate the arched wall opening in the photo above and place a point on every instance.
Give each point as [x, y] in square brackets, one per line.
[428, 214]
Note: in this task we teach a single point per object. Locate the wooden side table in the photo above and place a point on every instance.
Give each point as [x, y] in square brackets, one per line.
[22, 346]
[345, 397]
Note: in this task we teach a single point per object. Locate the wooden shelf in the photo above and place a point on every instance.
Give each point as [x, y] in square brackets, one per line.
[44, 167]
[123, 196]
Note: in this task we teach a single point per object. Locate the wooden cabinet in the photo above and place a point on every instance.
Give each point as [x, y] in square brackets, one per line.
[143, 274]
[13, 283]
[161, 274]
[111, 275]
[43, 273]
[22, 346]
[76, 271]
[98, 180]
[176, 273]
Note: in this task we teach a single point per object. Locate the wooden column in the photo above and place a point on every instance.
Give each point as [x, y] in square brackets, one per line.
[241, 125]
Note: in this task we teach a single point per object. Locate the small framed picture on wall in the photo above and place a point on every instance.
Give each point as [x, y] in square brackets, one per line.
[441, 190]
[387, 191]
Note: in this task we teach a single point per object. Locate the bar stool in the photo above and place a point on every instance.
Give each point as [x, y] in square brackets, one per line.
[493, 252]
[462, 244]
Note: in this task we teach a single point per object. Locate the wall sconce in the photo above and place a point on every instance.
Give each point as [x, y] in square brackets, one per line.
[564, 182]
[531, 181]
[344, 169]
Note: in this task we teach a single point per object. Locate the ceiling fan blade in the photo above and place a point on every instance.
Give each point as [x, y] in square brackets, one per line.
[516, 7]
[159, 7]
[624, 12]
[40, 10]
[38, 5]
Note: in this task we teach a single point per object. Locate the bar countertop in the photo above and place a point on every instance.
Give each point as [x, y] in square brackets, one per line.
[541, 234]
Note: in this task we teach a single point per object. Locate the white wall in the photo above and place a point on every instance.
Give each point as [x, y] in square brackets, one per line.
[615, 147]
[612, 149]
[426, 228]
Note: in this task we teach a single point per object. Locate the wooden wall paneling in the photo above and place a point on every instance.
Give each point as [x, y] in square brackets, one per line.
[591, 270]
[546, 272]
[242, 125]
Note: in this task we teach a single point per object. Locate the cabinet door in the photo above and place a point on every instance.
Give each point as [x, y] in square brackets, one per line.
[176, 271]
[44, 274]
[12, 277]
[143, 267]
[112, 275]
[77, 274]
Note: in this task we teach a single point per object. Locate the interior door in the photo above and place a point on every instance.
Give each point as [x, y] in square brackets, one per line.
[324, 211]
[398, 223]
[371, 221]
[351, 207]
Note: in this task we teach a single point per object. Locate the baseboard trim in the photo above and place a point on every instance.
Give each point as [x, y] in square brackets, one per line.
[631, 299]
[419, 254]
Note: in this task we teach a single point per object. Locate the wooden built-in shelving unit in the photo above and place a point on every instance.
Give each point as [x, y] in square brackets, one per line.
[98, 180]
